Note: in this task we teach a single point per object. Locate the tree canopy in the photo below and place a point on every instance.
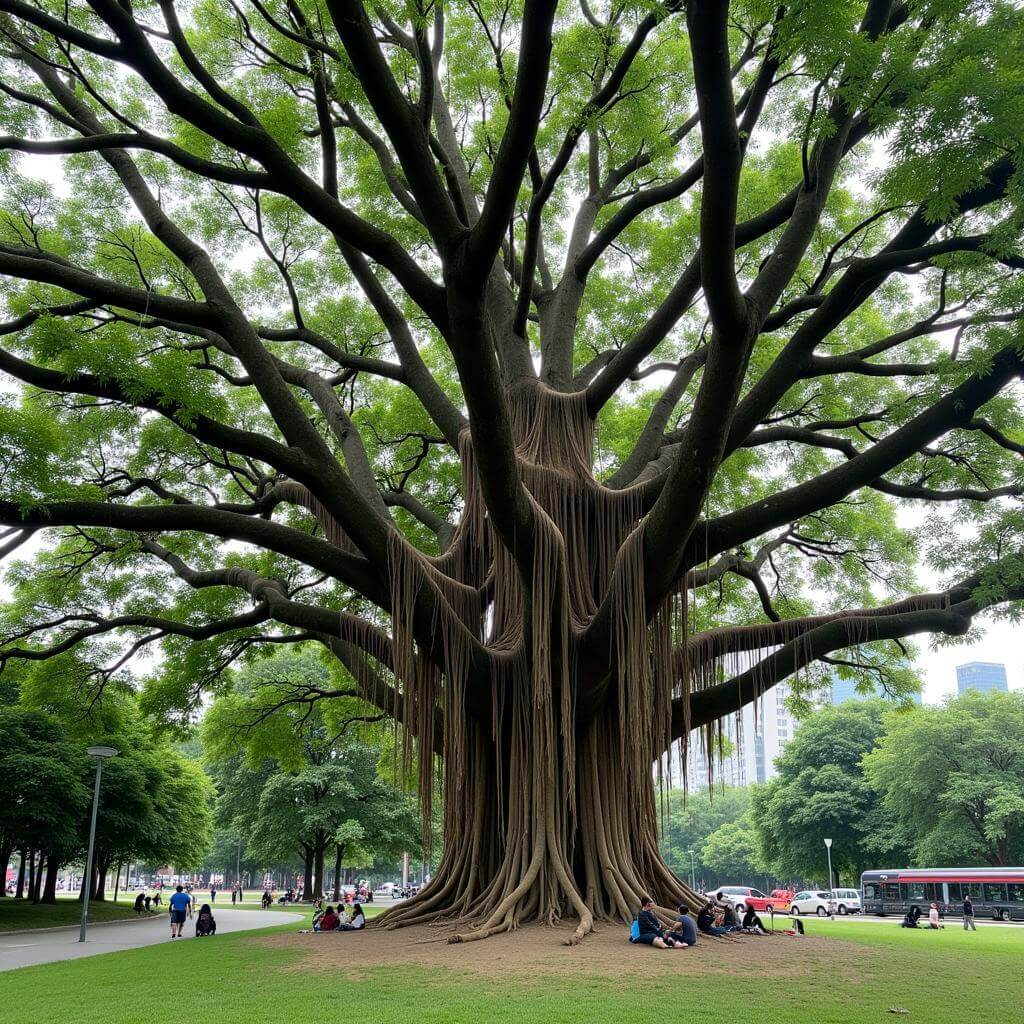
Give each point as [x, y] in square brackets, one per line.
[297, 782]
[821, 792]
[954, 777]
[561, 368]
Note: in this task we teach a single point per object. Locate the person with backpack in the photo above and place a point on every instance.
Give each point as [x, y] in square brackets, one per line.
[646, 930]
[205, 924]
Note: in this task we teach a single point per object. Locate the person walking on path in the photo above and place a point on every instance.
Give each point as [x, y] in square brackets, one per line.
[180, 905]
[969, 915]
[213, 894]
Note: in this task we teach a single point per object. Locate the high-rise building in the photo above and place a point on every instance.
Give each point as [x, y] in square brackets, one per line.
[981, 676]
[757, 735]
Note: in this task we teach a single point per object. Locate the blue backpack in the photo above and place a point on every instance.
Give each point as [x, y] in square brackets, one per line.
[634, 930]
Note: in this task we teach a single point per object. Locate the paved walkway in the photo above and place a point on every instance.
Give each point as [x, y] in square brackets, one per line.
[23, 949]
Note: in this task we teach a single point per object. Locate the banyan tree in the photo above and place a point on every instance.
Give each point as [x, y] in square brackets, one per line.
[572, 373]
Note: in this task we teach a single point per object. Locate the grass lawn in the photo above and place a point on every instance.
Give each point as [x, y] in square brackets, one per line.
[851, 976]
[18, 914]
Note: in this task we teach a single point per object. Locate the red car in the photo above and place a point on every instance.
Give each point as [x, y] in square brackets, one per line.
[743, 896]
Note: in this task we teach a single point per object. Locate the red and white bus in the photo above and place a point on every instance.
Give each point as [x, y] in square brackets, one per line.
[995, 892]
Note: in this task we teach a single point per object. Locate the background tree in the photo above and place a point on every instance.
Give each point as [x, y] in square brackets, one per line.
[821, 791]
[691, 819]
[45, 795]
[954, 777]
[537, 360]
[295, 780]
[733, 851]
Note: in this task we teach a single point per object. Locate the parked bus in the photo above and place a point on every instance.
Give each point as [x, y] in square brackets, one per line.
[995, 892]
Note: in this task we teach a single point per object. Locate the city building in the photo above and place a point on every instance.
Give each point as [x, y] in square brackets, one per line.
[757, 735]
[981, 676]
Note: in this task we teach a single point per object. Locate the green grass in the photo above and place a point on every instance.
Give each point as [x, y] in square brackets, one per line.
[947, 977]
[16, 915]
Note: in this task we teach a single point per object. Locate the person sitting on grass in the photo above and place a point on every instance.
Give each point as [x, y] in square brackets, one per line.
[650, 932]
[330, 921]
[205, 924]
[706, 921]
[141, 903]
[356, 921]
[731, 920]
[752, 923]
[684, 931]
[933, 917]
[910, 918]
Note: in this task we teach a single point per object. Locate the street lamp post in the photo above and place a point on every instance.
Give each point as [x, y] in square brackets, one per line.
[100, 754]
[693, 873]
[828, 850]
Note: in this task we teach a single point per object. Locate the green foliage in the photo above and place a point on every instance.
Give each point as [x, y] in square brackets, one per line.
[821, 792]
[692, 819]
[297, 780]
[954, 777]
[733, 851]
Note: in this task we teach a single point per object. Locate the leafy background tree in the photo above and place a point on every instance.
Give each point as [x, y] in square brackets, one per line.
[822, 791]
[296, 780]
[953, 776]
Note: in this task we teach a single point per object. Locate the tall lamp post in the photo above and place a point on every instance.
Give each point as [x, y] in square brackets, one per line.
[828, 850]
[99, 754]
[693, 873]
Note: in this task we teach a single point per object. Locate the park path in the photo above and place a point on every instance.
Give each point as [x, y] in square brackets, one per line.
[25, 949]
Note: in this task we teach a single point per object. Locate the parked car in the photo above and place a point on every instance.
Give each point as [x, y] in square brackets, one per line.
[777, 900]
[743, 896]
[847, 901]
[813, 901]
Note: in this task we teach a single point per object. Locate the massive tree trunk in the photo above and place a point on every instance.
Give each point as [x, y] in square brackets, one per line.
[550, 805]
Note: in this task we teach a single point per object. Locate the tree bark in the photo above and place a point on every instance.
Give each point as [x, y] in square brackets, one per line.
[37, 878]
[5, 860]
[52, 870]
[339, 854]
[19, 891]
[318, 871]
[307, 871]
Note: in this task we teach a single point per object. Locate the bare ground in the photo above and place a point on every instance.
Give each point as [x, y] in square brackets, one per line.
[540, 950]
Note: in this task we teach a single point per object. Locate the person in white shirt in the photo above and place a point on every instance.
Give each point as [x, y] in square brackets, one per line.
[357, 921]
[933, 917]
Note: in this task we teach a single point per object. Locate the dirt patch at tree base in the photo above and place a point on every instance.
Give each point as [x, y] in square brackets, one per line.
[537, 949]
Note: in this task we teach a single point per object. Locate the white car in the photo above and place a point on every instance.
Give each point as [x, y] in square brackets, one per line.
[847, 901]
[812, 901]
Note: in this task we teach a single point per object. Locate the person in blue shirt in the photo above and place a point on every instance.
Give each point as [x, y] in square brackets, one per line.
[684, 930]
[180, 905]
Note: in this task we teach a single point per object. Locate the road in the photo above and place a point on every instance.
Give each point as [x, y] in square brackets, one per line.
[24, 949]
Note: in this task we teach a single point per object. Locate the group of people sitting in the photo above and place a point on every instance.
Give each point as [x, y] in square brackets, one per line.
[345, 919]
[143, 901]
[712, 919]
[913, 915]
